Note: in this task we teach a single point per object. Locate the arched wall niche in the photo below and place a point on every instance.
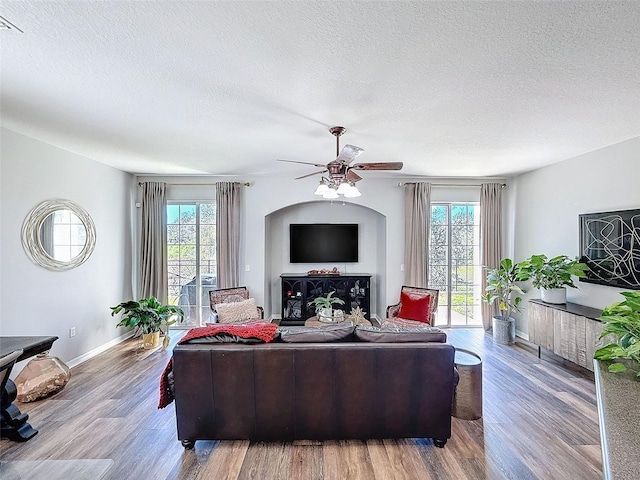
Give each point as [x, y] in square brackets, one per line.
[372, 249]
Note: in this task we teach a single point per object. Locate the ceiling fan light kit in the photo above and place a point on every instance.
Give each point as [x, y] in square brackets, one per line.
[353, 192]
[322, 188]
[330, 194]
[343, 188]
[341, 175]
[328, 189]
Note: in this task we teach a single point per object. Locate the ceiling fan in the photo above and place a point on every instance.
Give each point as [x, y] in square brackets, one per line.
[341, 176]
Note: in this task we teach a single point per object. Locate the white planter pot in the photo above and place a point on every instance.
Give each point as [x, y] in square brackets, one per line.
[553, 295]
[504, 330]
[325, 315]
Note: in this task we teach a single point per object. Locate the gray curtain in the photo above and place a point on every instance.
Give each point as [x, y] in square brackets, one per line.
[227, 233]
[153, 248]
[490, 239]
[417, 211]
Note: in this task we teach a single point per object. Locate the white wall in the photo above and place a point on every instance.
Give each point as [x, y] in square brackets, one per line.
[370, 235]
[549, 200]
[383, 199]
[271, 203]
[36, 301]
[542, 208]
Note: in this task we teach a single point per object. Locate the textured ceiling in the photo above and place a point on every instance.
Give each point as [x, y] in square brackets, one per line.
[453, 89]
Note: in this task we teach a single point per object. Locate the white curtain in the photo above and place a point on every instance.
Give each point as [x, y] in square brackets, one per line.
[153, 248]
[490, 239]
[416, 246]
[227, 234]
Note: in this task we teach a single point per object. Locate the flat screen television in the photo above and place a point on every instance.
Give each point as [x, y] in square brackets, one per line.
[610, 246]
[323, 242]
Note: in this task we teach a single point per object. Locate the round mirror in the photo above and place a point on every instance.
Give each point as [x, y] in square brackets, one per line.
[58, 235]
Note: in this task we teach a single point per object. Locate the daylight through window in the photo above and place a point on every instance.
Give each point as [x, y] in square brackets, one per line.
[191, 258]
[454, 263]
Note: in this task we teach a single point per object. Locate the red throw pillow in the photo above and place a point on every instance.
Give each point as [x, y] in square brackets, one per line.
[415, 308]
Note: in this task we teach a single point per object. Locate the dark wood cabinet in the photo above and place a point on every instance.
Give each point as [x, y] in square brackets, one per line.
[299, 289]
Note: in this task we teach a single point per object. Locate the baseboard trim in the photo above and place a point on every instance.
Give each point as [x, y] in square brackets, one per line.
[522, 335]
[96, 351]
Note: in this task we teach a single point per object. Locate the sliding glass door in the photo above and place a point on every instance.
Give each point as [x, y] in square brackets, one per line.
[454, 263]
[191, 258]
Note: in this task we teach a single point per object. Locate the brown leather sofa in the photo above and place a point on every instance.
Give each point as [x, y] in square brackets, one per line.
[314, 391]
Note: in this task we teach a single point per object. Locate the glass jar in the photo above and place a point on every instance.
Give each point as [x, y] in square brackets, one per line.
[41, 377]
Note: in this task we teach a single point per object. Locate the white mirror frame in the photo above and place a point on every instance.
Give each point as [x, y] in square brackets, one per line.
[31, 235]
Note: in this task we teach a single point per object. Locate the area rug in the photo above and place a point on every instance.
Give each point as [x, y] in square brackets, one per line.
[85, 469]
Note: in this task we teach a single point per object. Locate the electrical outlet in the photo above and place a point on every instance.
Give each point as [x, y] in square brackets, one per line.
[247, 268]
[402, 267]
[72, 332]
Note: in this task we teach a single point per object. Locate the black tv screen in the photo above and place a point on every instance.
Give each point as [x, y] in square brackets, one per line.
[323, 242]
[610, 246]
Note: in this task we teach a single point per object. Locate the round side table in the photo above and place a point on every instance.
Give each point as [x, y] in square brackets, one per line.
[467, 402]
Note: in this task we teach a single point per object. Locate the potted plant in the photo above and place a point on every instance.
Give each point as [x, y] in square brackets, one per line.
[622, 321]
[324, 306]
[502, 289]
[147, 317]
[552, 275]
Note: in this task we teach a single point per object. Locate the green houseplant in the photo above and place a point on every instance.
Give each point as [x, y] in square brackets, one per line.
[552, 275]
[148, 317]
[622, 321]
[502, 289]
[324, 306]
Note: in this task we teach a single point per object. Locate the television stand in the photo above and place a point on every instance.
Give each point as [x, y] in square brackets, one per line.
[298, 289]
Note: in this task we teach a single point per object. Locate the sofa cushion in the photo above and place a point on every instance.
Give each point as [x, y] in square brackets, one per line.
[397, 322]
[226, 338]
[226, 295]
[341, 332]
[237, 312]
[399, 335]
[413, 307]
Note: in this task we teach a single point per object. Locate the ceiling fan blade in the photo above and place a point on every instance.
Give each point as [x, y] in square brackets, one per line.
[303, 163]
[379, 166]
[311, 174]
[353, 176]
[349, 153]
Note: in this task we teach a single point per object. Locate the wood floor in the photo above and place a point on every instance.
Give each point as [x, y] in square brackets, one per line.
[540, 422]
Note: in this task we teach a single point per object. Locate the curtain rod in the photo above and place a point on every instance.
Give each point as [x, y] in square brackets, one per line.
[402, 184]
[245, 184]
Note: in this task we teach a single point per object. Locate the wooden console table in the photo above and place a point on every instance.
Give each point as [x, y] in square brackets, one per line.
[568, 330]
[13, 423]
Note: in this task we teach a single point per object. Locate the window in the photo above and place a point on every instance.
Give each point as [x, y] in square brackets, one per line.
[454, 263]
[191, 258]
[69, 235]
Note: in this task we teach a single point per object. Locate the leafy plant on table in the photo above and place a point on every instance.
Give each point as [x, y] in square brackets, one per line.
[553, 272]
[326, 302]
[623, 321]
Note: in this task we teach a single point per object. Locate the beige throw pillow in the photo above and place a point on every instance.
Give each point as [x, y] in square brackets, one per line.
[237, 312]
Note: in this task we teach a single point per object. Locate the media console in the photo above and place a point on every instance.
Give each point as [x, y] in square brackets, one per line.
[298, 289]
[568, 330]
